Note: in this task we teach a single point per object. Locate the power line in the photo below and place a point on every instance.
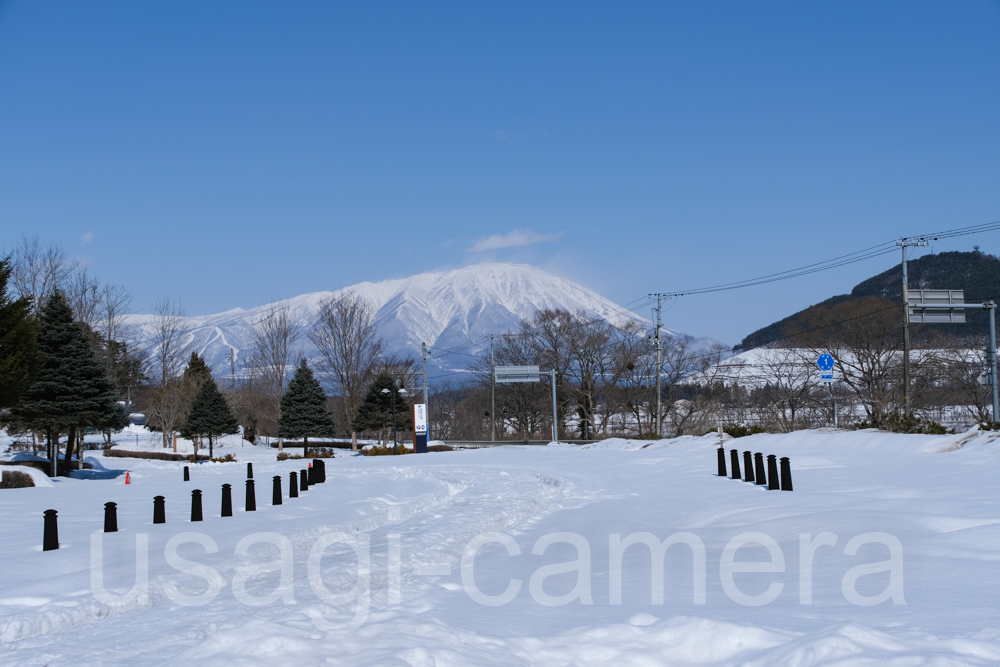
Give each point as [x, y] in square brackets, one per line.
[961, 231]
[843, 260]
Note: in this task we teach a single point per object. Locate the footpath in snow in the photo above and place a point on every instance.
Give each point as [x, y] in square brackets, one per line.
[886, 553]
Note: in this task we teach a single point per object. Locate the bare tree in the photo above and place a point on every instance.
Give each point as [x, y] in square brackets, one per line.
[635, 361]
[959, 366]
[520, 406]
[591, 370]
[112, 321]
[865, 340]
[38, 270]
[165, 348]
[272, 337]
[84, 292]
[788, 386]
[165, 405]
[347, 338]
[550, 333]
[250, 405]
[165, 355]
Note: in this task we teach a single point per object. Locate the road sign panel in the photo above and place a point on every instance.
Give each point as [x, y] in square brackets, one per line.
[825, 362]
[936, 306]
[826, 377]
[511, 374]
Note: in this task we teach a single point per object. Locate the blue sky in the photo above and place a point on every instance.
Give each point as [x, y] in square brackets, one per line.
[229, 153]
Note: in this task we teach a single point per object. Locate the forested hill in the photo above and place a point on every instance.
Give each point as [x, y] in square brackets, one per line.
[975, 272]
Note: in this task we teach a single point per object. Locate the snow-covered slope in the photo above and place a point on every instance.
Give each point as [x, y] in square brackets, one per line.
[443, 309]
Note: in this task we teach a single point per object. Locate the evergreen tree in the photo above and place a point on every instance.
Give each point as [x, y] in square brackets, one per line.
[114, 421]
[375, 411]
[209, 416]
[70, 389]
[303, 409]
[17, 341]
[196, 373]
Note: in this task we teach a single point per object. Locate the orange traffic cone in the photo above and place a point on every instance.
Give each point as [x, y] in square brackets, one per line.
[127, 480]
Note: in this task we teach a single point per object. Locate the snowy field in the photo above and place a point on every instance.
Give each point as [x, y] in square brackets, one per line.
[886, 553]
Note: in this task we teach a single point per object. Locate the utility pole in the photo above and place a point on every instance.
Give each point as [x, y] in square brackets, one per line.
[659, 357]
[905, 243]
[232, 369]
[829, 387]
[423, 359]
[493, 394]
[555, 409]
[992, 307]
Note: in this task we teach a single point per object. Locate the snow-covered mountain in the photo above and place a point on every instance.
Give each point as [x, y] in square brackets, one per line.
[444, 309]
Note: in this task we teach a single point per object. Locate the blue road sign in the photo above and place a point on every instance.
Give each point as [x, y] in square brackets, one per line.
[825, 362]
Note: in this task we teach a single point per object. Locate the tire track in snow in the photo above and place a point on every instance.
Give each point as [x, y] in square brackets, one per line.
[434, 526]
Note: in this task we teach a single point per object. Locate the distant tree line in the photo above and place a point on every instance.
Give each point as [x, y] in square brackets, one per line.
[70, 359]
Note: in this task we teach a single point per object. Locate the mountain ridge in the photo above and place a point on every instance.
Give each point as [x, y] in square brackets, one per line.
[445, 309]
[977, 273]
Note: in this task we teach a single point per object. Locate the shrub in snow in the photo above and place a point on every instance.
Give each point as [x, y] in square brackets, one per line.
[160, 456]
[383, 451]
[12, 479]
[901, 423]
[320, 453]
[740, 431]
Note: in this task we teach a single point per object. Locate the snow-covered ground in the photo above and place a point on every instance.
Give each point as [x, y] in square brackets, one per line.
[437, 591]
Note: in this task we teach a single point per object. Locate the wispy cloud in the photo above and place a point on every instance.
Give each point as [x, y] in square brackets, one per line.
[514, 239]
[87, 238]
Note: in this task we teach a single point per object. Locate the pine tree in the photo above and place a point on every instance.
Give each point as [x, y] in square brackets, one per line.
[70, 389]
[209, 416]
[375, 411]
[196, 373]
[17, 341]
[303, 409]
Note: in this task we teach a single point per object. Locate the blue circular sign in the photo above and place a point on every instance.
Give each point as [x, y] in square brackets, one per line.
[825, 362]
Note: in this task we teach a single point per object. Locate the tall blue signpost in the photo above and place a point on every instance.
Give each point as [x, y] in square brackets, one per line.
[825, 363]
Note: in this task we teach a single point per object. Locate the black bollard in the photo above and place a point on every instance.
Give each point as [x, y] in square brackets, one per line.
[722, 462]
[320, 470]
[786, 474]
[761, 477]
[110, 517]
[196, 505]
[187, 474]
[747, 467]
[303, 481]
[159, 509]
[227, 500]
[734, 462]
[50, 536]
[276, 493]
[249, 471]
[251, 497]
[772, 473]
[293, 485]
